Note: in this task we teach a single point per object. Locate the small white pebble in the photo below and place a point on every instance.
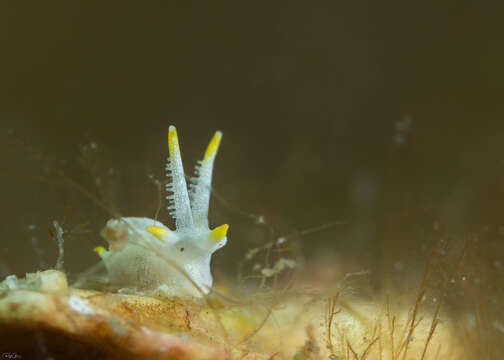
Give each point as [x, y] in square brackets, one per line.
[80, 306]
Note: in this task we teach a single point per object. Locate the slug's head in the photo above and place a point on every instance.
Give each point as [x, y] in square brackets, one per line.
[199, 242]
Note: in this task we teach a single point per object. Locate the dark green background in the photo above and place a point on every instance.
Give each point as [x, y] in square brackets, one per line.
[307, 94]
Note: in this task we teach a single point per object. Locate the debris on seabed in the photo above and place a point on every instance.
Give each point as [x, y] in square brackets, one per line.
[40, 314]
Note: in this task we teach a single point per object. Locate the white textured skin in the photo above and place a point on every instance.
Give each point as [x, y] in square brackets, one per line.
[139, 261]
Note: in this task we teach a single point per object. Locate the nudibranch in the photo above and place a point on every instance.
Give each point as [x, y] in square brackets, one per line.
[144, 255]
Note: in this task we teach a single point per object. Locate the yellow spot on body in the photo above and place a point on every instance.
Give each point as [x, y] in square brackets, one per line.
[219, 233]
[100, 250]
[157, 231]
[213, 146]
[173, 143]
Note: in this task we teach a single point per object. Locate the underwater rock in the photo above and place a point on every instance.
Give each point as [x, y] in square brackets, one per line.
[42, 318]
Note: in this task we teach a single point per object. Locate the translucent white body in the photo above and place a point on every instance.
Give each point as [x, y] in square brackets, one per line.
[146, 256]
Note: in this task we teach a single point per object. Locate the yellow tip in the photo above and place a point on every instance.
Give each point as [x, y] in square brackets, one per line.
[100, 250]
[173, 144]
[157, 231]
[219, 233]
[213, 146]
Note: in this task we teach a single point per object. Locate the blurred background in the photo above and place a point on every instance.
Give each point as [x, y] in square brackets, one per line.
[387, 117]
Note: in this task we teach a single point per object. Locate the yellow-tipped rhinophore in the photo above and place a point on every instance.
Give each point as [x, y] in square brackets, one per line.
[213, 146]
[219, 233]
[179, 203]
[173, 143]
[100, 250]
[157, 231]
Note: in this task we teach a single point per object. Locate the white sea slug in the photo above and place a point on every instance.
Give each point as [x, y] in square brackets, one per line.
[146, 256]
